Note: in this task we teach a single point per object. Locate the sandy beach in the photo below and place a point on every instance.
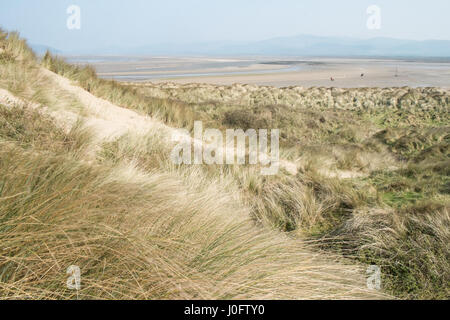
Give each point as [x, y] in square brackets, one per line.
[275, 71]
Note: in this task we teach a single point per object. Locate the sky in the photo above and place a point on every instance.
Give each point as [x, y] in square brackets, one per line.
[136, 23]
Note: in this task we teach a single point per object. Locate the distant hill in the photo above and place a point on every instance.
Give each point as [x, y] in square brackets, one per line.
[300, 45]
[341, 46]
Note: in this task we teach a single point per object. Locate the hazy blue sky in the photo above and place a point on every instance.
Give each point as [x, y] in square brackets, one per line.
[141, 22]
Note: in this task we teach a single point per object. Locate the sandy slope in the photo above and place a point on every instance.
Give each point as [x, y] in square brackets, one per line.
[108, 120]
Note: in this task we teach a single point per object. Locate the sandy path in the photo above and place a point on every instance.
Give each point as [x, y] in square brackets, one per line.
[108, 120]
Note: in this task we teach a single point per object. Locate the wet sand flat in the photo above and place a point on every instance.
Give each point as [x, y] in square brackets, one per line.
[275, 71]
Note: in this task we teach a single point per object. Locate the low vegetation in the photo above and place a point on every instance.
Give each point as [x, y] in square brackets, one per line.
[391, 145]
[372, 188]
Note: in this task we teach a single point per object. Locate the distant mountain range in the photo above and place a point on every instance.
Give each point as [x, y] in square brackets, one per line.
[301, 45]
[340, 46]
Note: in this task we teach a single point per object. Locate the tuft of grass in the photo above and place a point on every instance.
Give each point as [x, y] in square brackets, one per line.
[31, 129]
[14, 48]
[410, 245]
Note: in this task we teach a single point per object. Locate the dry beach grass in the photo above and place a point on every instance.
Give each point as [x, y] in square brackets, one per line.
[82, 183]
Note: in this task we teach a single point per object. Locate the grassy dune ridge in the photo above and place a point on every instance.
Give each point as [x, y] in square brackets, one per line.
[373, 187]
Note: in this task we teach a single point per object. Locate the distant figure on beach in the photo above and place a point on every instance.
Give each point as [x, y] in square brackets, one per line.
[332, 79]
[362, 75]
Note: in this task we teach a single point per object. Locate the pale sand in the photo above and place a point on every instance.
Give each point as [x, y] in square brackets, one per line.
[280, 72]
[344, 75]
